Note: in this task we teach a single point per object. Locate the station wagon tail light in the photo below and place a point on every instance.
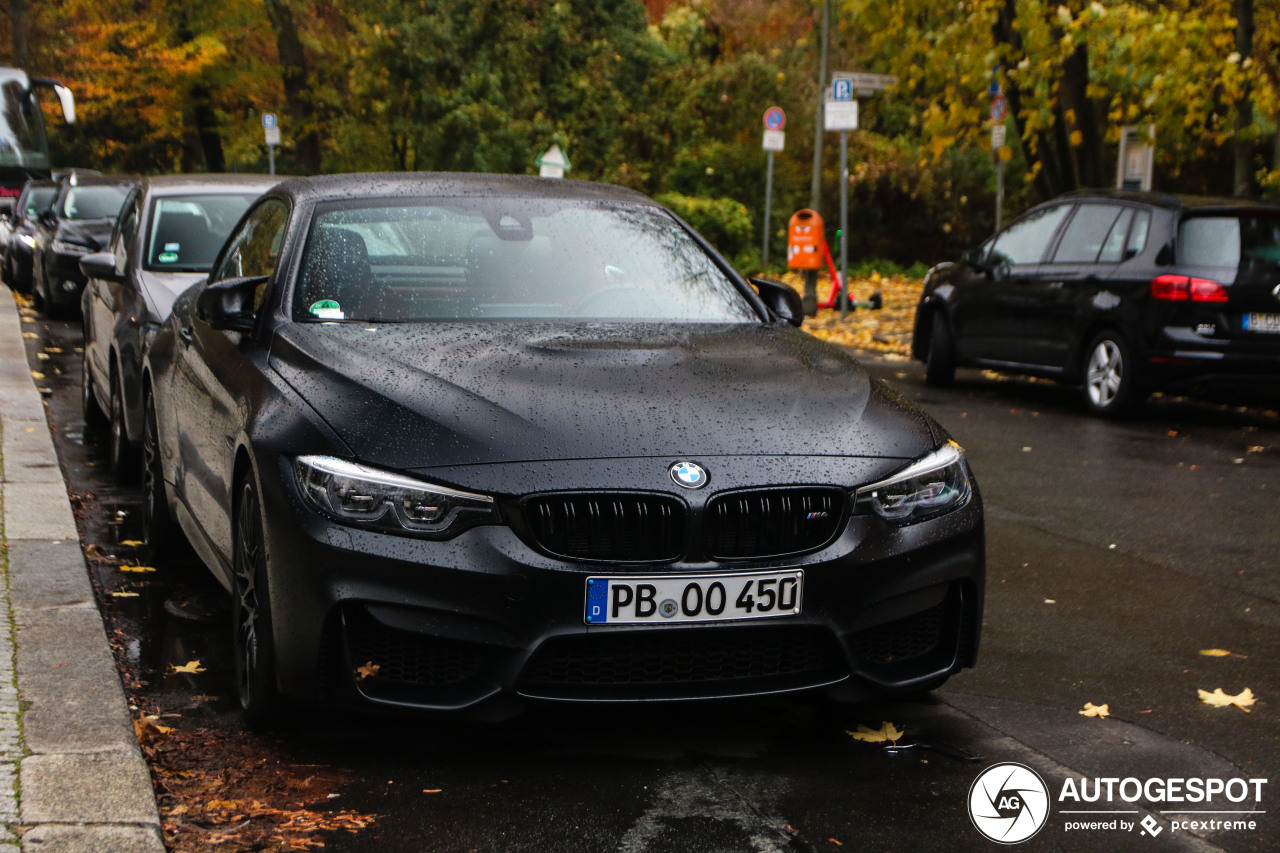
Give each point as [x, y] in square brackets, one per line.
[1181, 288]
[363, 496]
[932, 485]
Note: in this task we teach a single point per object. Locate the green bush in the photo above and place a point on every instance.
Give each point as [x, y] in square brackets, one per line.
[724, 222]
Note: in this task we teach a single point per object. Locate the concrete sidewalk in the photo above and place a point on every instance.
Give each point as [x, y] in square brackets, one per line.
[71, 775]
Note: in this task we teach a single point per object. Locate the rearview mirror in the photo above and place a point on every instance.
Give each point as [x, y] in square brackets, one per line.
[228, 304]
[783, 302]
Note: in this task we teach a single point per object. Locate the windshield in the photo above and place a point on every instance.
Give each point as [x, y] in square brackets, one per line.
[186, 232]
[39, 199]
[22, 139]
[94, 202]
[477, 258]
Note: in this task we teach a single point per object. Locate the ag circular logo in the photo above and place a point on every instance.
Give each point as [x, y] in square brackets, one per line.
[1008, 803]
[689, 474]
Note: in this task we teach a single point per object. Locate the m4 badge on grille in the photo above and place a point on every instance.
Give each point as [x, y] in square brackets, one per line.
[690, 475]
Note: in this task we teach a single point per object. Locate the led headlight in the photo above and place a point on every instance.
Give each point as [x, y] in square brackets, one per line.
[383, 500]
[930, 486]
[27, 240]
[62, 247]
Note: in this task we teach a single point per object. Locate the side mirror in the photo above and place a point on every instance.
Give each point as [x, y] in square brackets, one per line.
[976, 258]
[101, 265]
[228, 304]
[783, 302]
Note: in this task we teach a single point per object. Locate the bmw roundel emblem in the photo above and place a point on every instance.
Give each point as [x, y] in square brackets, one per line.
[690, 475]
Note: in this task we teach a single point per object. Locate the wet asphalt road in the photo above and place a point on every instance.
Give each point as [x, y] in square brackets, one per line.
[1117, 551]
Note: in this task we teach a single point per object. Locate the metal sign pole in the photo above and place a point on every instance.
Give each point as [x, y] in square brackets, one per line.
[999, 191]
[768, 205]
[271, 159]
[844, 224]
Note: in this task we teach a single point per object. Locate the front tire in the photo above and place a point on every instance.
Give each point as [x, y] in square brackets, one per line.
[1111, 381]
[123, 455]
[252, 639]
[158, 528]
[940, 368]
[94, 417]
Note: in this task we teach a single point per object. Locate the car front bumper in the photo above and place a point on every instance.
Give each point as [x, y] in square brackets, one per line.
[368, 618]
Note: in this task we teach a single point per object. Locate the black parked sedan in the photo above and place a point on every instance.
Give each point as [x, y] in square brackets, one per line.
[456, 441]
[1122, 292]
[169, 230]
[36, 198]
[78, 223]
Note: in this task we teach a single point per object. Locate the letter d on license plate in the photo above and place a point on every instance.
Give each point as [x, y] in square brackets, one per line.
[693, 598]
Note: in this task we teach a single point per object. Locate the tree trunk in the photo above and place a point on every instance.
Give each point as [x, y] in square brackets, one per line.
[20, 26]
[1047, 181]
[1076, 113]
[1243, 144]
[297, 86]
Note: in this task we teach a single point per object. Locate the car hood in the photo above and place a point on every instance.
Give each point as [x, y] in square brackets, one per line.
[161, 289]
[421, 396]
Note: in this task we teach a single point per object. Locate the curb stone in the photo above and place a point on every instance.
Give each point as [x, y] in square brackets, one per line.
[66, 738]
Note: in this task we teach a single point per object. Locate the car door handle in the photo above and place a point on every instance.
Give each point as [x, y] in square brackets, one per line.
[186, 334]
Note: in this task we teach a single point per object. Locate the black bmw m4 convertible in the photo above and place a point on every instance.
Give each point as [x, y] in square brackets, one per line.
[460, 442]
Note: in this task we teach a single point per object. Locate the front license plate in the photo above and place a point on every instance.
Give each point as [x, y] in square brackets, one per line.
[693, 598]
[1259, 322]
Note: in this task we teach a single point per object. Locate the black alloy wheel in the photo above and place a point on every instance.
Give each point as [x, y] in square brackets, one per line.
[254, 652]
[123, 455]
[1110, 376]
[158, 528]
[94, 417]
[940, 369]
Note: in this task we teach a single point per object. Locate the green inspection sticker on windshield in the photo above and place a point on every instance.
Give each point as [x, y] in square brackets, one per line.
[167, 257]
[327, 309]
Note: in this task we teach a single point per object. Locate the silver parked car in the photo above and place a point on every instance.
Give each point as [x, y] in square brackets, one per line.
[165, 239]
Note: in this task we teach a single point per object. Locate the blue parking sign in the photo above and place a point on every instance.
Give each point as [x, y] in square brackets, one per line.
[842, 90]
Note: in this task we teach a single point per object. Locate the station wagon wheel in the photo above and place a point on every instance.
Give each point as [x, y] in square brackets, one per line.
[123, 455]
[1110, 376]
[254, 651]
[94, 417]
[158, 529]
[940, 367]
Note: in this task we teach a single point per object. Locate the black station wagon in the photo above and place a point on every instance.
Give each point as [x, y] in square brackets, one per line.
[1122, 292]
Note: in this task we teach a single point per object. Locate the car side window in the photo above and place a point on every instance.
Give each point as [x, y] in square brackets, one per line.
[254, 248]
[1113, 250]
[123, 239]
[1084, 238]
[1027, 240]
[1138, 233]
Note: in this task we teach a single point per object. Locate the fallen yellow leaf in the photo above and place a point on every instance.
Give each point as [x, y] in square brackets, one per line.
[133, 543]
[191, 667]
[125, 594]
[369, 670]
[886, 732]
[1092, 710]
[1218, 699]
[137, 569]
[35, 374]
[432, 790]
[1215, 653]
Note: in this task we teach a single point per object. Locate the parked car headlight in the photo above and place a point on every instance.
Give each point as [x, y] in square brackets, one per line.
[62, 247]
[27, 240]
[930, 486]
[362, 496]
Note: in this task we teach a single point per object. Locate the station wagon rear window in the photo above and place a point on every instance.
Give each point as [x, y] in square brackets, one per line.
[1237, 242]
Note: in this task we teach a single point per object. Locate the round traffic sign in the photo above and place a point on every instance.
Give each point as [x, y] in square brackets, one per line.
[999, 107]
[774, 119]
